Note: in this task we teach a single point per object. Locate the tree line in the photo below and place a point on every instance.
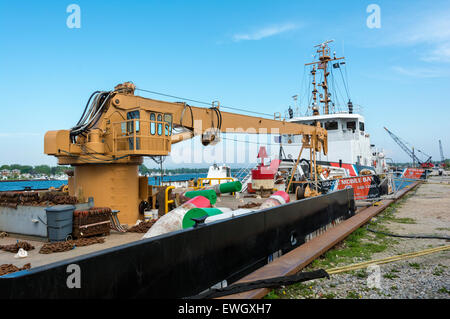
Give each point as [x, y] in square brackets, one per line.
[37, 170]
[60, 169]
[182, 170]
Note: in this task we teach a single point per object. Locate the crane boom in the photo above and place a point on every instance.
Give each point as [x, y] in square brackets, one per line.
[411, 154]
[403, 146]
[121, 127]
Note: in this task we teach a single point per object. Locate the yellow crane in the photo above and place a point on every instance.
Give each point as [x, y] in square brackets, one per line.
[118, 128]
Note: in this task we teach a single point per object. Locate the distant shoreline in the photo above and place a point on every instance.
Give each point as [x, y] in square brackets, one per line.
[31, 180]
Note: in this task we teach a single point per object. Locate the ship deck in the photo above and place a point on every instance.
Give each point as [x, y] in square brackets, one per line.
[115, 239]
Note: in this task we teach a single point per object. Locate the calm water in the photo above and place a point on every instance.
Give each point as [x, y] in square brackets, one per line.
[44, 184]
[152, 180]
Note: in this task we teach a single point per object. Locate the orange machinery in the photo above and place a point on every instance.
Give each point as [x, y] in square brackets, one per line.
[118, 128]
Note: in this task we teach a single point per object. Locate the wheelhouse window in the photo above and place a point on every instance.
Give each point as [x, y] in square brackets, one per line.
[351, 125]
[331, 125]
[361, 126]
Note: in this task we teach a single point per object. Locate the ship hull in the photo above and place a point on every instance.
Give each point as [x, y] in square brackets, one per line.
[186, 262]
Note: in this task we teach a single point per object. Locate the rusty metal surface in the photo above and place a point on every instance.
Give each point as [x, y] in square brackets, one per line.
[300, 257]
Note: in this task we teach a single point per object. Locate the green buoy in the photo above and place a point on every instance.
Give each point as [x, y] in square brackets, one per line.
[208, 193]
[197, 213]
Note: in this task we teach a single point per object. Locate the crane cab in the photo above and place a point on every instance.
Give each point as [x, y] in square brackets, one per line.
[144, 132]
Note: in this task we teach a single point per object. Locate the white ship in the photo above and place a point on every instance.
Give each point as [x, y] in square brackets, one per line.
[348, 140]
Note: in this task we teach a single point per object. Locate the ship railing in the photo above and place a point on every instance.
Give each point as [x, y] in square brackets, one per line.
[357, 109]
[245, 175]
[243, 172]
[245, 182]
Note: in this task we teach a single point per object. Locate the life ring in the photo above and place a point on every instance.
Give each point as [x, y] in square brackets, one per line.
[325, 173]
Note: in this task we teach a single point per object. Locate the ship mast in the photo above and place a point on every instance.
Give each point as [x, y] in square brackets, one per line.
[322, 64]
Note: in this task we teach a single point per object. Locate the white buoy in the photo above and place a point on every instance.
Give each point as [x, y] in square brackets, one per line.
[173, 220]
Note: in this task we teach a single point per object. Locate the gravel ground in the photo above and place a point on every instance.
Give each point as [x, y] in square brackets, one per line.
[414, 278]
[425, 211]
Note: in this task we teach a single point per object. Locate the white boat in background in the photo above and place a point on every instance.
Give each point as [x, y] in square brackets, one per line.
[349, 144]
[217, 172]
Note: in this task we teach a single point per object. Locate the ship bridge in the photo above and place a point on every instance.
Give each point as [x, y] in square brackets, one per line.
[347, 138]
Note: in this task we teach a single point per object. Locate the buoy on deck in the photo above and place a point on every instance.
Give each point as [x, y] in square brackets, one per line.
[173, 220]
[276, 199]
[208, 193]
[229, 187]
[201, 212]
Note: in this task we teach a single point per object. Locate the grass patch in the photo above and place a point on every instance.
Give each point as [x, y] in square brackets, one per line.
[389, 216]
[329, 295]
[414, 265]
[394, 270]
[438, 272]
[297, 290]
[390, 276]
[359, 245]
[444, 290]
[302, 289]
[443, 228]
[353, 295]
[272, 295]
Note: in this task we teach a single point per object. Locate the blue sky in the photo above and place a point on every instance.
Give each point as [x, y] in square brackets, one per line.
[247, 54]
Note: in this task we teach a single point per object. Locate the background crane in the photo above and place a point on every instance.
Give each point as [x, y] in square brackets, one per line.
[410, 152]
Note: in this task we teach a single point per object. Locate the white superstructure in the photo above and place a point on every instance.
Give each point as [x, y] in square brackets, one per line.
[347, 139]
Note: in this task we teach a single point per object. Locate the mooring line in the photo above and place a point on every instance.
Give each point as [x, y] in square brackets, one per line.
[386, 260]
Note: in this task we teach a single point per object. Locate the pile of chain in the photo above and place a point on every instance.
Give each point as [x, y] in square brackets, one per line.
[91, 222]
[62, 246]
[142, 227]
[58, 198]
[31, 198]
[10, 268]
[250, 205]
[14, 248]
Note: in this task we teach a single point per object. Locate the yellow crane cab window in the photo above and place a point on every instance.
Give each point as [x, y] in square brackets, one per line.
[132, 118]
[168, 124]
[152, 123]
[159, 124]
[130, 124]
